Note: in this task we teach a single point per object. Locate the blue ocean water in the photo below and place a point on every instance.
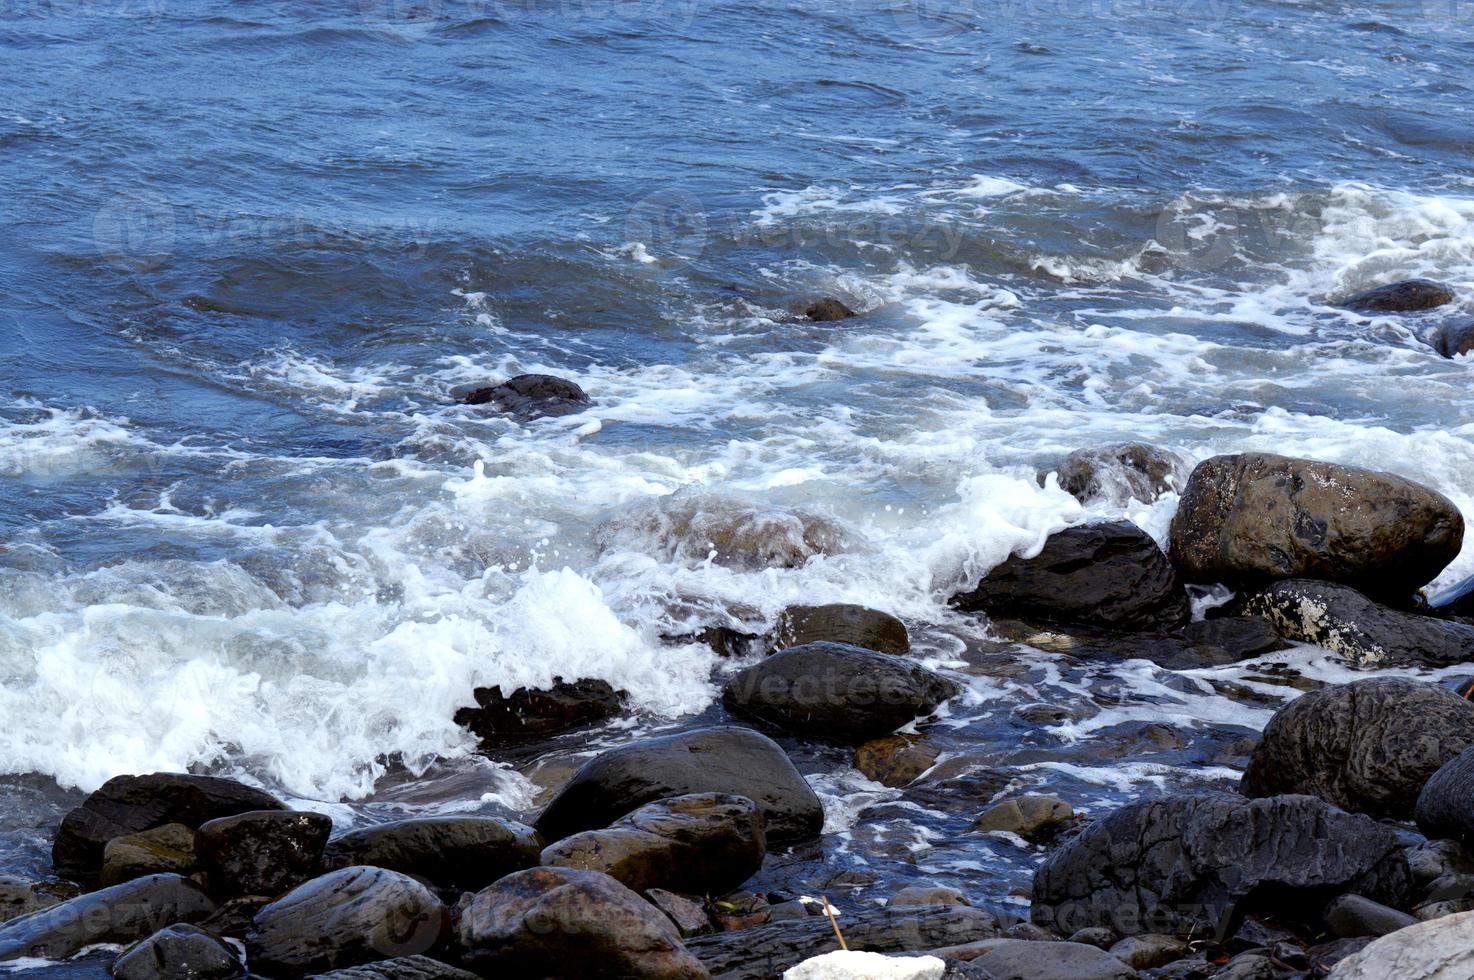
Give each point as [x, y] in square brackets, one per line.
[253, 249]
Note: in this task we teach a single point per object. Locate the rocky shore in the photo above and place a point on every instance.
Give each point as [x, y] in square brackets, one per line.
[1346, 849]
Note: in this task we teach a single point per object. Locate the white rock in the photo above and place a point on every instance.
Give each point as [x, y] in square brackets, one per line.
[1439, 949]
[854, 965]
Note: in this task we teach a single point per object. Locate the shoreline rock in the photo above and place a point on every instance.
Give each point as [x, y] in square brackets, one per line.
[1122, 472]
[120, 914]
[841, 622]
[1404, 296]
[453, 852]
[537, 713]
[530, 396]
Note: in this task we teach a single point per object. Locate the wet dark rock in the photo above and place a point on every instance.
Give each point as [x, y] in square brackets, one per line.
[1252, 518]
[400, 968]
[1210, 643]
[528, 714]
[461, 853]
[764, 951]
[1122, 472]
[1321, 959]
[128, 804]
[836, 691]
[344, 918]
[531, 396]
[1032, 816]
[1362, 632]
[1433, 859]
[896, 760]
[841, 623]
[706, 843]
[234, 917]
[121, 914]
[1350, 916]
[20, 897]
[828, 309]
[178, 952]
[726, 641]
[558, 922]
[1405, 296]
[262, 852]
[1445, 806]
[1456, 600]
[1437, 949]
[1034, 961]
[169, 848]
[731, 760]
[1453, 339]
[686, 914]
[1368, 746]
[1198, 863]
[1107, 575]
[926, 895]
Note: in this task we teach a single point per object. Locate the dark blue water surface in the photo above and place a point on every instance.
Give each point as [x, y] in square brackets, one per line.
[253, 251]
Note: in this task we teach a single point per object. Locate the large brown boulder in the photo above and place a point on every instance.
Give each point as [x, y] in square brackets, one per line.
[1255, 517]
[558, 922]
[841, 622]
[702, 844]
[1108, 575]
[128, 804]
[1368, 746]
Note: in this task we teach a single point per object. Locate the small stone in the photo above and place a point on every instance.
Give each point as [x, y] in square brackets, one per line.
[20, 897]
[167, 848]
[924, 895]
[687, 914]
[1149, 951]
[1349, 916]
[896, 760]
[178, 952]
[1032, 816]
[1098, 936]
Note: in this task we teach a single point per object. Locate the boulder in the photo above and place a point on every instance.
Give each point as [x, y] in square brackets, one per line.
[558, 922]
[1368, 746]
[1051, 961]
[529, 396]
[1441, 949]
[1360, 631]
[527, 714]
[1349, 916]
[458, 853]
[1456, 600]
[344, 918]
[1117, 474]
[1148, 951]
[737, 761]
[763, 951]
[1106, 575]
[178, 952]
[1253, 518]
[1406, 296]
[1445, 806]
[1197, 863]
[234, 916]
[841, 623]
[1453, 339]
[896, 760]
[128, 804]
[827, 310]
[1032, 816]
[20, 897]
[704, 843]
[836, 691]
[262, 852]
[121, 914]
[400, 968]
[169, 848]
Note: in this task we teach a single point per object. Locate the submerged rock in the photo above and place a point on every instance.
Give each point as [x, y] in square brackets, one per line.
[20, 897]
[764, 951]
[459, 853]
[1406, 296]
[924, 895]
[1197, 863]
[557, 922]
[178, 952]
[1033, 817]
[1368, 746]
[531, 396]
[705, 843]
[895, 760]
[538, 713]
[347, 917]
[1119, 473]
[1362, 632]
[836, 691]
[263, 852]
[1107, 575]
[128, 804]
[737, 761]
[1453, 339]
[841, 623]
[1442, 949]
[169, 848]
[697, 527]
[1253, 518]
[121, 914]
[828, 309]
